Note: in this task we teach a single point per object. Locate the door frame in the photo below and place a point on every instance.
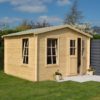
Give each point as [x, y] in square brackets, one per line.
[79, 55]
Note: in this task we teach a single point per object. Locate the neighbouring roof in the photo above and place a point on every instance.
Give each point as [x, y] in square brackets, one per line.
[47, 29]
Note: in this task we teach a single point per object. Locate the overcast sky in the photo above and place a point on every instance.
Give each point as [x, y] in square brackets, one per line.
[14, 11]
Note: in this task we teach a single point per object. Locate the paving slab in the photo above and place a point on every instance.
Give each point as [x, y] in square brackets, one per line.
[81, 78]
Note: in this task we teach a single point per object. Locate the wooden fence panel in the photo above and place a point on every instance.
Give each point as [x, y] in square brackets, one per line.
[95, 55]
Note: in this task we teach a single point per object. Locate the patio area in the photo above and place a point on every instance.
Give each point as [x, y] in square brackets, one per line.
[82, 78]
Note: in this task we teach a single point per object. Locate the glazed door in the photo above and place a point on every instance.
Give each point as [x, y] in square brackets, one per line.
[73, 56]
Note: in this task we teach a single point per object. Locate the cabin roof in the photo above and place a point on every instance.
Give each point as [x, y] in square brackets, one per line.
[47, 29]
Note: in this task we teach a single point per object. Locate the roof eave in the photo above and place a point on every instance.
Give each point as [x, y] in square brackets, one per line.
[77, 30]
[4, 36]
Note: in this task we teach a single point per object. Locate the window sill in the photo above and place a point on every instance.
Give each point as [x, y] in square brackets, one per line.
[73, 56]
[24, 65]
[52, 65]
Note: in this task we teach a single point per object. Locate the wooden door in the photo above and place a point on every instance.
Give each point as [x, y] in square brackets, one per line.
[73, 56]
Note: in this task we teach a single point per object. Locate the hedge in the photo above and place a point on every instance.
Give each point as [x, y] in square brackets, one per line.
[1, 57]
[96, 36]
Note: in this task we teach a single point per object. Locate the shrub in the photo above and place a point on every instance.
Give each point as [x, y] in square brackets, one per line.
[96, 36]
[1, 57]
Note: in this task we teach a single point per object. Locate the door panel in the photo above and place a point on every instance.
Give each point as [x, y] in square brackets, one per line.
[73, 66]
[83, 70]
[83, 65]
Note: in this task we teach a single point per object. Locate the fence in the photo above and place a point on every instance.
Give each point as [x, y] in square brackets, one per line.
[95, 55]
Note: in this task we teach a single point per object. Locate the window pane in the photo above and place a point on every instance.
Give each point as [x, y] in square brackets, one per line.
[72, 47]
[53, 51]
[26, 59]
[48, 51]
[54, 42]
[83, 47]
[23, 48]
[49, 42]
[72, 51]
[54, 59]
[72, 43]
[26, 43]
[49, 61]
[25, 51]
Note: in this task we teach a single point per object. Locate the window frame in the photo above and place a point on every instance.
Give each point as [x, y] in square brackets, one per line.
[57, 56]
[73, 47]
[24, 56]
[83, 47]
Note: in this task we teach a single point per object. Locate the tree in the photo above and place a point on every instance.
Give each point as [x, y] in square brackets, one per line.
[25, 24]
[74, 16]
[39, 24]
[86, 27]
[96, 29]
[32, 25]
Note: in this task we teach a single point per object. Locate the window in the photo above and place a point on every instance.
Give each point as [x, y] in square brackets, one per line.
[25, 51]
[52, 51]
[83, 47]
[72, 47]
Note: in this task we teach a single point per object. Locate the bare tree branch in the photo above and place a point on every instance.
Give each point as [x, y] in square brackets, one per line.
[74, 16]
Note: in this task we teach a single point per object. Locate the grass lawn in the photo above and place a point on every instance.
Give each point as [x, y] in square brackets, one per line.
[17, 89]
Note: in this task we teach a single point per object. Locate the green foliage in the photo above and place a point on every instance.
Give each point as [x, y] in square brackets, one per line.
[4, 32]
[1, 57]
[9, 31]
[96, 36]
[25, 25]
[16, 89]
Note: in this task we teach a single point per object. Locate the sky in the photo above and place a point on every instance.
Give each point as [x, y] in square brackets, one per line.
[53, 11]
